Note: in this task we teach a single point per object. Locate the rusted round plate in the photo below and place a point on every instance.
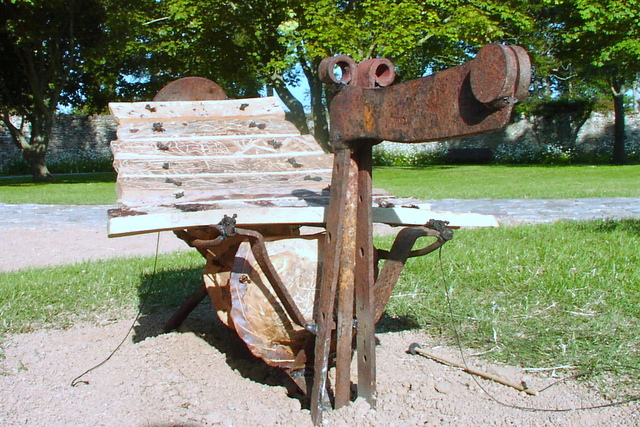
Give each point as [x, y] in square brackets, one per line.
[191, 89]
[256, 312]
[494, 73]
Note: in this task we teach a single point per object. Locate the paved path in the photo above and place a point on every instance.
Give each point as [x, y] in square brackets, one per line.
[40, 235]
[516, 211]
[508, 211]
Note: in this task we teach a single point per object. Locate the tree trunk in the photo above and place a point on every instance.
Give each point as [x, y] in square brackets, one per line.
[619, 154]
[33, 149]
[296, 113]
[318, 109]
[34, 155]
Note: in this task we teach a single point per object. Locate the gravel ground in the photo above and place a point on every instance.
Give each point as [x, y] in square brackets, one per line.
[200, 376]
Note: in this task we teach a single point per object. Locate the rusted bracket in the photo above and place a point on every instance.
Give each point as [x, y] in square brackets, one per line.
[229, 234]
[473, 98]
[401, 250]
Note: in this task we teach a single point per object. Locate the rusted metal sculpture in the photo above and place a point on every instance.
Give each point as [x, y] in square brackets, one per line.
[195, 162]
[473, 98]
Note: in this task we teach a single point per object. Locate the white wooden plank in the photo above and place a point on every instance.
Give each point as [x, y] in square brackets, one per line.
[216, 146]
[209, 126]
[139, 224]
[265, 163]
[268, 107]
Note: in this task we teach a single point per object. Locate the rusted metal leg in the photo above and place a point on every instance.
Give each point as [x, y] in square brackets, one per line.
[396, 258]
[187, 307]
[323, 312]
[346, 282]
[366, 339]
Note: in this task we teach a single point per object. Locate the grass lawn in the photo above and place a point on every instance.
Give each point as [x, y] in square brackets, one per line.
[532, 295]
[433, 182]
[535, 296]
[68, 189]
[35, 298]
[509, 182]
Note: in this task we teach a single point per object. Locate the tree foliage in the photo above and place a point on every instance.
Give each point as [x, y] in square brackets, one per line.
[255, 44]
[87, 53]
[41, 43]
[601, 41]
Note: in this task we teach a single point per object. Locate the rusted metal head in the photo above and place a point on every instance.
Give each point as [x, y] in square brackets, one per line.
[473, 98]
[337, 69]
[191, 89]
[341, 69]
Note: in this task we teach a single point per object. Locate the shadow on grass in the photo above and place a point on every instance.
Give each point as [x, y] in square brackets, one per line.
[397, 323]
[629, 226]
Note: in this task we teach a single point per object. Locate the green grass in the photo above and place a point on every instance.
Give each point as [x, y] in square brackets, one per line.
[533, 295]
[68, 189]
[57, 297]
[507, 182]
[431, 182]
[537, 296]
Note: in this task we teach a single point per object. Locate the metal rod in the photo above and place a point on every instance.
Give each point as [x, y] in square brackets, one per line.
[256, 240]
[365, 338]
[186, 308]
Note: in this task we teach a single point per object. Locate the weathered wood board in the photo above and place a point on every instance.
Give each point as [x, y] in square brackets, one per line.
[161, 130]
[312, 216]
[265, 108]
[187, 164]
[206, 152]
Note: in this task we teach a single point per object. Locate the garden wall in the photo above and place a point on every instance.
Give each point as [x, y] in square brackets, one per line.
[560, 138]
[81, 143]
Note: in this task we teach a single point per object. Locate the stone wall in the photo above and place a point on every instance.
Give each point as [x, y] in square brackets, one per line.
[85, 139]
[560, 135]
[75, 138]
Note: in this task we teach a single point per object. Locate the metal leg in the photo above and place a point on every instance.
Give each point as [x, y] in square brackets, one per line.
[323, 314]
[187, 307]
[346, 282]
[366, 339]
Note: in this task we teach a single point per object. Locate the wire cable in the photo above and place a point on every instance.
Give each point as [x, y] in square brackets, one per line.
[145, 296]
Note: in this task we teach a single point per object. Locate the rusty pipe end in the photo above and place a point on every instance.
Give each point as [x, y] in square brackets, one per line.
[329, 67]
[376, 72]
[494, 74]
[500, 75]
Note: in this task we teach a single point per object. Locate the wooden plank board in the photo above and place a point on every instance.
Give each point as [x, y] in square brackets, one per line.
[214, 146]
[139, 224]
[268, 107]
[137, 192]
[212, 126]
[234, 182]
[196, 165]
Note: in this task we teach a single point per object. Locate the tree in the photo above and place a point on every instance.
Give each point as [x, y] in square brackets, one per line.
[249, 45]
[41, 44]
[418, 36]
[601, 39]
